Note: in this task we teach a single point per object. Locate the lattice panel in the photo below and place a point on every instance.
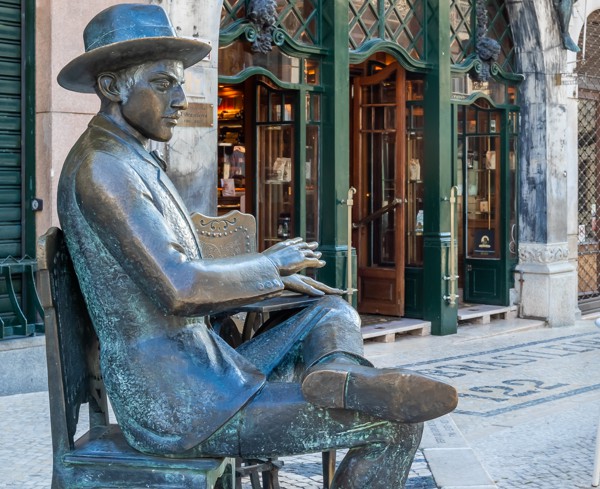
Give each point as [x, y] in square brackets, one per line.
[461, 29]
[399, 21]
[499, 29]
[232, 10]
[299, 18]
[589, 166]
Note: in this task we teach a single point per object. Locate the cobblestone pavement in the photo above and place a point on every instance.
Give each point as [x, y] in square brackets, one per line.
[26, 451]
[529, 401]
[529, 407]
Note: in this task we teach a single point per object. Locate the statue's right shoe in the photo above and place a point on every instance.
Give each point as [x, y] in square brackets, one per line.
[392, 394]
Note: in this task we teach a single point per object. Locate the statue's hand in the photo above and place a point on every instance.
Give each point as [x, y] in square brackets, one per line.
[292, 255]
[308, 286]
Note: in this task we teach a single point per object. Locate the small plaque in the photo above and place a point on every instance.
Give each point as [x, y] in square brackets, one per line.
[484, 242]
[197, 115]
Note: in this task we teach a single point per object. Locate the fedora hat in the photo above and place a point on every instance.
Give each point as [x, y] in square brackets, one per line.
[126, 35]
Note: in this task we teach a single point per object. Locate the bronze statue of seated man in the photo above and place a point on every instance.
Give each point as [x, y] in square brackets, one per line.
[176, 387]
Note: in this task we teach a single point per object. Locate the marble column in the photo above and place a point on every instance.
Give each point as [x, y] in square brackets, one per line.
[546, 275]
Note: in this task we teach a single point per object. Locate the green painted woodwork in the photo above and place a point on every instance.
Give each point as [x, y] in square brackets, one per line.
[18, 298]
[232, 11]
[425, 36]
[335, 156]
[488, 280]
[402, 23]
[413, 292]
[438, 174]
[299, 20]
[10, 127]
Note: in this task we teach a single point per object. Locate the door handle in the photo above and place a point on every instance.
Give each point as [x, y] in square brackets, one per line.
[452, 279]
[377, 213]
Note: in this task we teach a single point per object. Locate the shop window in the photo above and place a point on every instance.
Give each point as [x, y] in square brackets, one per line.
[237, 57]
[276, 164]
[415, 188]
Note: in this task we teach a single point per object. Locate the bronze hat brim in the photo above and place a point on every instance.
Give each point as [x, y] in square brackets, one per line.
[80, 74]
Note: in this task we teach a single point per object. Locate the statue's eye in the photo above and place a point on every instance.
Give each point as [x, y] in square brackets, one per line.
[162, 84]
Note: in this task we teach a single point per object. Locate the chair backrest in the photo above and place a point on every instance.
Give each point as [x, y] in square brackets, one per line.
[231, 234]
[72, 347]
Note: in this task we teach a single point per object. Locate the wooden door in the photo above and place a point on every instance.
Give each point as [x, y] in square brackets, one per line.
[378, 172]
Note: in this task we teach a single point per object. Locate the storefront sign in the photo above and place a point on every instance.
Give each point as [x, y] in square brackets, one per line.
[484, 242]
[198, 115]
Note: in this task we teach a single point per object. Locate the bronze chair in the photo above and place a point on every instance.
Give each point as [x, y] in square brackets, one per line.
[101, 458]
[233, 234]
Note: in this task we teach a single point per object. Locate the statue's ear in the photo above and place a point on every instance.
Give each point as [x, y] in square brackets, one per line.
[108, 87]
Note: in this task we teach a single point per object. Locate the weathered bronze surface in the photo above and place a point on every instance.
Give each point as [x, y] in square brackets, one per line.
[176, 387]
[564, 9]
[101, 457]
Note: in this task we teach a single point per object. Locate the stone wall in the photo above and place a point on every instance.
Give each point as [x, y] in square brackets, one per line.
[61, 115]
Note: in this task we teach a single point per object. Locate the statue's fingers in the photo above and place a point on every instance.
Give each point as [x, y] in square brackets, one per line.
[323, 287]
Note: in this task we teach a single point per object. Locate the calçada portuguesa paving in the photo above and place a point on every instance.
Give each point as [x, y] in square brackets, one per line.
[527, 416]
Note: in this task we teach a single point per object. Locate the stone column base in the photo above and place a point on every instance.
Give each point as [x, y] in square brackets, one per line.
[547, 282]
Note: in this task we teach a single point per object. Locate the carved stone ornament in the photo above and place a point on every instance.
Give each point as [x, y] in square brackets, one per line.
[263, 15]
[543, 253]
[486, 48]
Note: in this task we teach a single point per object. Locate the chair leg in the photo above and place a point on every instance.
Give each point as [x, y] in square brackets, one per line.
[271, 478]
[255, 480]
[328, 468]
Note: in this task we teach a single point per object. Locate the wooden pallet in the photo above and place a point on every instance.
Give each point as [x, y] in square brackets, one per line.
[483, 313]
[386, 332]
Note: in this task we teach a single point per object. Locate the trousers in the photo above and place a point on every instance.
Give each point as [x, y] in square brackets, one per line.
[278, 421]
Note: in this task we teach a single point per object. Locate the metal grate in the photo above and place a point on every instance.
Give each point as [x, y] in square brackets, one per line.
[589, 167]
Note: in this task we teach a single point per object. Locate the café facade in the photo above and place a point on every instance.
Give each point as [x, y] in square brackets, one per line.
[429, 146]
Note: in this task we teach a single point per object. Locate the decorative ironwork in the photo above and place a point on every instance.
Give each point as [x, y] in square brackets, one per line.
[263, 15]
[481, 28]
[268, 21]
[486, 48]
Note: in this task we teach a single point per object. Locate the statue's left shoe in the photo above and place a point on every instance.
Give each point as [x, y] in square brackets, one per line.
[392, 394]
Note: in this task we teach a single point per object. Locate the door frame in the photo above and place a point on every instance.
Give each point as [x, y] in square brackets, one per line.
[380, 288]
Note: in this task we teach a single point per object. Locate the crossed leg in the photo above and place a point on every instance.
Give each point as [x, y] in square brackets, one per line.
[280, 422]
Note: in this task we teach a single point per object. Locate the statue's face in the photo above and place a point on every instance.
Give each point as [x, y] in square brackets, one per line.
[154, 99]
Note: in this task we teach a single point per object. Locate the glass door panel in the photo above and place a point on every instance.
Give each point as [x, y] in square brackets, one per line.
[414, 192]
[275, 162]
[379, 176]
[276, 189]
[483, 201]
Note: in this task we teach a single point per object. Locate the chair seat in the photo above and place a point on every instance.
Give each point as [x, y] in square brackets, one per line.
[107, 445]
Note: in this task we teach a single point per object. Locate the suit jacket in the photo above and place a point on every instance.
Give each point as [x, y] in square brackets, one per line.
[171, 381]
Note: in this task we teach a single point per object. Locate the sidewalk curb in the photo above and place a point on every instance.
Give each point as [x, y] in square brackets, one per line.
[452, 461]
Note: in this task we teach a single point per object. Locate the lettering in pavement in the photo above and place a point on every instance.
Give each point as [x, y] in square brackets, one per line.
[509, 359]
